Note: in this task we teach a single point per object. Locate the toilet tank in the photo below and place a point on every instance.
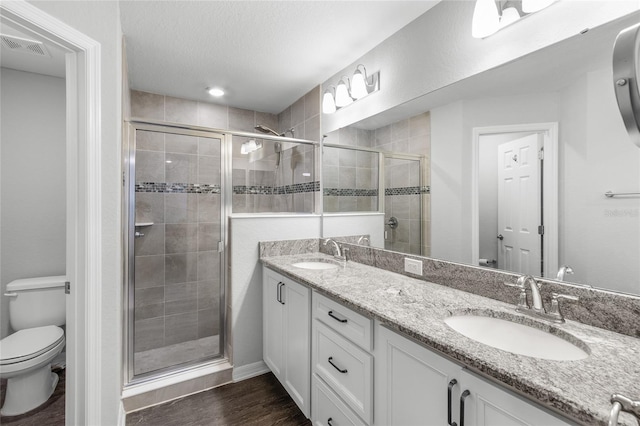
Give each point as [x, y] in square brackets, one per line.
[36, 302]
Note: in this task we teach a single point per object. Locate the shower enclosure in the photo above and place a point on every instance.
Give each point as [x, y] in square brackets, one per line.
[360, 179]
[176, 282]
[183, 182]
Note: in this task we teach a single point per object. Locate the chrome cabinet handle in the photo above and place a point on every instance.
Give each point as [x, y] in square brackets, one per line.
[279, 292]
[332, 315]
[343, 371]
[464, 396]
[452, 383]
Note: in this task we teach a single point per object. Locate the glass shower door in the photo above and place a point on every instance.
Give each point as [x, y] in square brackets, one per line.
[405, 205]
[176, 296]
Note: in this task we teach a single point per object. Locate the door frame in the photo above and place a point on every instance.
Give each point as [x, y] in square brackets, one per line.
[83, 393]
[550, 188]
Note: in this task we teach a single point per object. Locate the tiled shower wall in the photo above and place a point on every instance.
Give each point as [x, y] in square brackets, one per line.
[354, 172]
[177, 263]
[350, 176]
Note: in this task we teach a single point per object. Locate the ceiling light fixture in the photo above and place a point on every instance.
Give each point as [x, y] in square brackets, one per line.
[215, 91]
[490, 16]
[250, 146]
[347, 91]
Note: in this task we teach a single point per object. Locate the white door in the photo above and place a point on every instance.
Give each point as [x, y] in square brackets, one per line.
[519, 205]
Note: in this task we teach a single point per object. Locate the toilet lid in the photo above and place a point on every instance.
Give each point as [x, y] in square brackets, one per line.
[29, 343]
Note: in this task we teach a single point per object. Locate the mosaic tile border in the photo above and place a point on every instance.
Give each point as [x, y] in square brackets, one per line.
[408, 190]
[296, 188]
[350, 192]
[353, 192]
[189, 188]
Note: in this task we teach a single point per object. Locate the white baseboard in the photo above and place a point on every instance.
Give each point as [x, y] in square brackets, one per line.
[248, 371]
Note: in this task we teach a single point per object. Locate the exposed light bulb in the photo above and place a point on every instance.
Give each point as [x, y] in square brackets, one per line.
[509, 16]
[358, 85]
[342, 95]
[215, 92]
[486, 20]
[328, 103]
[530, 6]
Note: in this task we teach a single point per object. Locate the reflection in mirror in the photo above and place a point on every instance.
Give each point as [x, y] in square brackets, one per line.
[516, 187]
[569, 83]
[272, 176]
[361, 163]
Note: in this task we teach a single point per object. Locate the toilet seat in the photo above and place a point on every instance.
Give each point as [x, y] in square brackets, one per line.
[29, 343]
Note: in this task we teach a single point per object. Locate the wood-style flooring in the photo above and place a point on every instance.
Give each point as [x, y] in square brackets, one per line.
[51, 413]
[257, 401]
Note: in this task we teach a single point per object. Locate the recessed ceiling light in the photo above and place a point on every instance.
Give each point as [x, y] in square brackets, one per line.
[215, 91]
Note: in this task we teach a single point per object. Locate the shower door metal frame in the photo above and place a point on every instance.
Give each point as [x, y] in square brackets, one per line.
[133, 126]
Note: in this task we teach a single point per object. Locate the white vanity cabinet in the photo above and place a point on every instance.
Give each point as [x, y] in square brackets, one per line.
[286, 335]
[416, 386]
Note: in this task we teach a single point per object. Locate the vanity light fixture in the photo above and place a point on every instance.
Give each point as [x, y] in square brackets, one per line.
[216, 92]
[343, 97]
[250, 146]
[490, 16]
[347, 91]
[328, 101]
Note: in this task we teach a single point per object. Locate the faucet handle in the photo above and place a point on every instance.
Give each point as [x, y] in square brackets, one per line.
[555, 305]
[523, 303]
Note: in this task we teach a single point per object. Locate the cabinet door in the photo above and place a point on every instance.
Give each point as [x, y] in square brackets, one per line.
[297, 335]
[490, 405]
[272, 323]
[411, 382]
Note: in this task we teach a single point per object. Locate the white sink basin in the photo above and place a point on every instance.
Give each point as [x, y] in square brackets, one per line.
[516, 338]
[314, 265]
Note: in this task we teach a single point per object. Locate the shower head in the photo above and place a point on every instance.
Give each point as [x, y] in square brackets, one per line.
[265, 129]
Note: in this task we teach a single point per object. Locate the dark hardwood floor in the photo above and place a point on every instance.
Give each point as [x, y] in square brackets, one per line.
[51, 413]
[257, 401]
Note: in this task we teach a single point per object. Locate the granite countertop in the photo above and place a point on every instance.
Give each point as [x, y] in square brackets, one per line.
[579, 389]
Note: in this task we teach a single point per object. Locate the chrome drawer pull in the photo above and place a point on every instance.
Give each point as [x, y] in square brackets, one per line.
[332, 315]
[336, 367]
[452, 383]
[464, 396]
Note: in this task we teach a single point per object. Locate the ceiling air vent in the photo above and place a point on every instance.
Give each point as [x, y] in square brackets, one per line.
[17, 44]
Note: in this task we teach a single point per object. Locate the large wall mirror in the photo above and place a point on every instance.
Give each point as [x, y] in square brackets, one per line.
[494, 128]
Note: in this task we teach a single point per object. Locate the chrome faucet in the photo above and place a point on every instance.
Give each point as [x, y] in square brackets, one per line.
[338, 251]
[364, 241]
[564, 269]
[537, 309]
[535, 291]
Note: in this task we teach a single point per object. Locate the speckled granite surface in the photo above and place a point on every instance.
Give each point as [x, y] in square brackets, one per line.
[579, 389]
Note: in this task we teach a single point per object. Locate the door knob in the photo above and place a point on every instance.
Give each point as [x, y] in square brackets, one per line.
[500, 237]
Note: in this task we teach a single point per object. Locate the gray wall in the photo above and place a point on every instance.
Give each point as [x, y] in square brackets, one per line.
[33, 206]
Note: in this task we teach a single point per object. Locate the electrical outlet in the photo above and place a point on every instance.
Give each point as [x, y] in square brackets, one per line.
[413, 266]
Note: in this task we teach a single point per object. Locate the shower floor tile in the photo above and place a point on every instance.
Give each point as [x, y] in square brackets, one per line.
[168, 356]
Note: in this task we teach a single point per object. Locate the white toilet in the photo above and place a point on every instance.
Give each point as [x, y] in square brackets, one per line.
[37, 308]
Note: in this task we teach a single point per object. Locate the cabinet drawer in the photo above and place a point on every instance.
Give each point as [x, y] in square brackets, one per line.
[346, 368]
[350, 324]
[328, 409]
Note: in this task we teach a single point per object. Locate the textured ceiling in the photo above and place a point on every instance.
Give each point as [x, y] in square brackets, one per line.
[265, 54]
